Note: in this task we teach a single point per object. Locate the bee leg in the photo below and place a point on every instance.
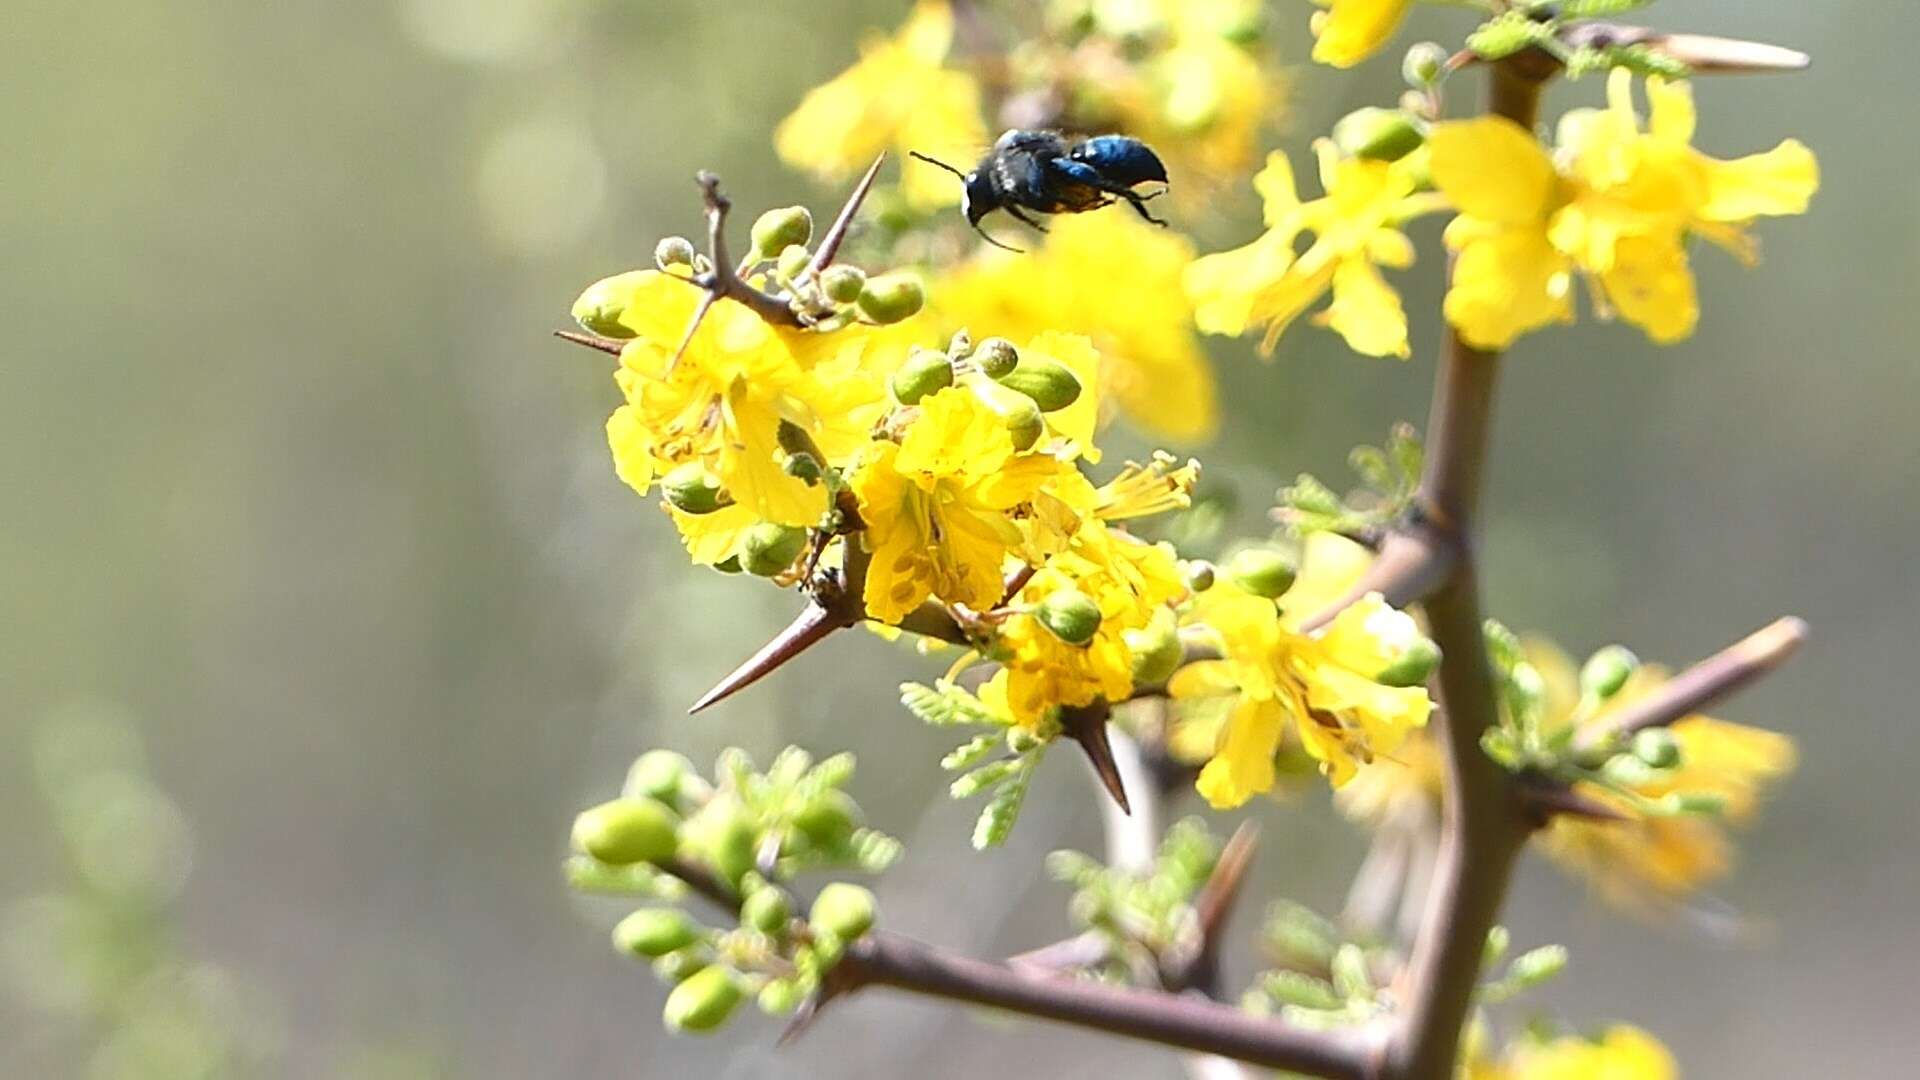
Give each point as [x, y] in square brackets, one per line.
[1140, 204]
[1021, 216]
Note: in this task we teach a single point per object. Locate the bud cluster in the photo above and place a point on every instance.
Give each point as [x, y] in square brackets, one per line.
[740, 838]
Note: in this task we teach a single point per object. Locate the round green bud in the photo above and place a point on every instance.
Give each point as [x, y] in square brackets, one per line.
[777, 230]
[996, 356]
[890, 298]
[626, 831]
[1414, 667]
[781, 997]
[828, 820]
[1048, 382]
[843, 283]
[1020, 413]
[1607, 671]
[769, 548]
[843, 910]
[705, 1000]
[1200, 574]
[1378, 134]
[925, 372]
[682, 963]
[673, 252]
[768, 910]
[1262, 571]
[791, 261]
[1424, 64]
[692, 489]
[1156, 649]
[729, 841]
[1070, 615]
[655, 932]
[657, 775]
[1657, 747]
[599, 308]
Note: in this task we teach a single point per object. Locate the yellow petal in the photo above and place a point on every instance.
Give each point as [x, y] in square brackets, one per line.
[1492, 168]
[1508, 284]
[1651, 286]
[1779, 181]
[1356, 29]
[1243, 766]
[1366, 311]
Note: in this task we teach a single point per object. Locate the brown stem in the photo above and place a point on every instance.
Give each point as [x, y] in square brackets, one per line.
[722, 279]
[1192, 1023]
[1482, 824]
[1702, 684]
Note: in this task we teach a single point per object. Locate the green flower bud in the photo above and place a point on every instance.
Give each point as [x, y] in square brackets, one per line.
[1048, 382]
[1262, 571]
[777, 230]
[1424, 64]
[655, 932]
[828, 820]
[768, 910]
[1378, 134]
[704, 1001]
[1607, 671]
[599, 308]
[996, 357]
[1703, 803]
[1020, 413]
[791, 261]
[729, 841]
[1536, 966]
[691, 489]
[626, 831]
[683, 963]
[925, 372]
[843, 283]
[657, 775]
[1071, 615]
[1657, 747]
[843, 910]
[672, 252]
[1199, 573]
[769, 548]
[890, 298]
[1413, 668]
[781, 997]
[1156, 650]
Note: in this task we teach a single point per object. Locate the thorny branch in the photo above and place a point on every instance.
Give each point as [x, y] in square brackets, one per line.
[1487, 813]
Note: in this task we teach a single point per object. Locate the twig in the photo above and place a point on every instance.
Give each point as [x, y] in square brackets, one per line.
[1189, 1022]
[1704, 683]
[722, 280]
[1482, 823]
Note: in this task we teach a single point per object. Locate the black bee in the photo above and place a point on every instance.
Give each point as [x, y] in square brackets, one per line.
[1044, 172]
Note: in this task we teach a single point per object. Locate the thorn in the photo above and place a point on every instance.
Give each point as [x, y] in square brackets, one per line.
[1545, 798]
[1704, 53]
[1216, 898]
[1087, 725]
[837, 232]
[806, 630]
[608, 345]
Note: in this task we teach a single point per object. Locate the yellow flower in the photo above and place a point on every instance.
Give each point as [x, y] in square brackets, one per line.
[1620, 213]
[898, 96]
[1357, 230]
[723, 401]
[1324, 685]
[1623, 1052]
[1116, 280]
[1356, 29]
[1128, 580]
[1201, 100]
[937, 506]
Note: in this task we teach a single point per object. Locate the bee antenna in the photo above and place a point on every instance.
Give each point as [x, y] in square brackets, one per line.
[937, 161]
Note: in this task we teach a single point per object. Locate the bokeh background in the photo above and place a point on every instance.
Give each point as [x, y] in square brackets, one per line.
[297, 485]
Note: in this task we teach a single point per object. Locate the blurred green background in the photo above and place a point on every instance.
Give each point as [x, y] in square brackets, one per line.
[296, 479]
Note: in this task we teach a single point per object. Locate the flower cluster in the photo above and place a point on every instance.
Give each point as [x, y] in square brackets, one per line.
[1615, 204]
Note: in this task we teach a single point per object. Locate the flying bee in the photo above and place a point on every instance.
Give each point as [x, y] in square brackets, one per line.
[1046, 173]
